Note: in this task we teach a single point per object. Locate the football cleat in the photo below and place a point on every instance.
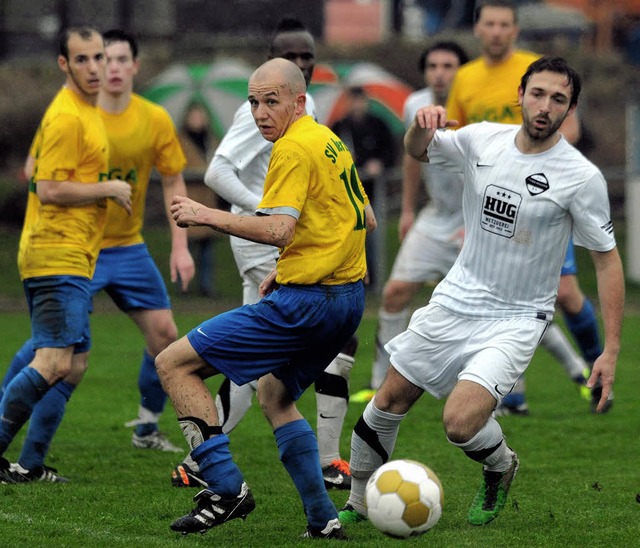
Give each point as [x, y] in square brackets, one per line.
[333, 530]
[363, 396]
[349, 514]
[155, 440]
[42, 473]
[581, 382]
[337, 475]
[6, 476]
[503, 410]
[185, 476]
[492, 495]
[212, 510]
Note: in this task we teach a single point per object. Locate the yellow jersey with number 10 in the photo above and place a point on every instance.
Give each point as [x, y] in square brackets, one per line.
[312, 176]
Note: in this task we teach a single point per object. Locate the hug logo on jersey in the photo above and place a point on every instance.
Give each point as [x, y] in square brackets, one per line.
[537, 183]
[500, 210]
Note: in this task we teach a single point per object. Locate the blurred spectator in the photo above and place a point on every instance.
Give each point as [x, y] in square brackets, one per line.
[198, 145]
[373, 148]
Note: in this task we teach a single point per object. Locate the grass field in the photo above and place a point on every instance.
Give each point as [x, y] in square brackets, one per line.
[578, 485]
[579, 481]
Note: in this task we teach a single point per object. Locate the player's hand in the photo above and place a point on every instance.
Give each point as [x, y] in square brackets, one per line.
[187, 212]
[120, 193]
[604, 371]
[182, 266]
[268, 284]
[433, 117]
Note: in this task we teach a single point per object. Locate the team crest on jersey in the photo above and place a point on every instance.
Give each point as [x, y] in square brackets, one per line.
[537, 183]
[500, 210]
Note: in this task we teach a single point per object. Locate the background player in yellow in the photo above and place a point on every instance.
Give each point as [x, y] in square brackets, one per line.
[141, 136]
[486, 89]
[314, 208]
[64, 222]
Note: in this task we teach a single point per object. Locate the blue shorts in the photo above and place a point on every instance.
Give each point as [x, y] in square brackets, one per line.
[293, 333]
[59, 308]
[131, 278]
[569, 267]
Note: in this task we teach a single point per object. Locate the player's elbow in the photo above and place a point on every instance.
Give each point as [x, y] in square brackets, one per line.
[370, 219]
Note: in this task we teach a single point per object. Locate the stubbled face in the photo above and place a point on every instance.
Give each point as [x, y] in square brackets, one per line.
[273, 104]
[545, 104]
[121, 68]
[85, 65]
[497, 31]
[440, 69]
[299, 48]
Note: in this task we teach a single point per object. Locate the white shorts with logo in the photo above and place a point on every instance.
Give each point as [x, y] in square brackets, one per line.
[439, 348]
[423, 259]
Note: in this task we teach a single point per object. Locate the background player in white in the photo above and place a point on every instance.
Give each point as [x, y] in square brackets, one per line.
[526, 191]
[237, 174]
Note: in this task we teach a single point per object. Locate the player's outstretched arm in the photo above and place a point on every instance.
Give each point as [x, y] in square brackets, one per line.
[610, 277]
[73, 193]
[276, 230]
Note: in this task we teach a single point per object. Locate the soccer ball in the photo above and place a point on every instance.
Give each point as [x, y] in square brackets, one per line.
[404, 498]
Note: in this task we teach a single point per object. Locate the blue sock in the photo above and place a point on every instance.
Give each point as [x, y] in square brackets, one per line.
[22, 358]
[24, 391]
[152, 395]
[216, 464]
[45, 419]
[299, 454]
[585, 331]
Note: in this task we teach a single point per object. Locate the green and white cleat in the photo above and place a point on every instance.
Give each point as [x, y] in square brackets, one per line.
[492, 495]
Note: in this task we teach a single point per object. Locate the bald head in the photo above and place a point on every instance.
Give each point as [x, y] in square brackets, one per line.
[277, 96]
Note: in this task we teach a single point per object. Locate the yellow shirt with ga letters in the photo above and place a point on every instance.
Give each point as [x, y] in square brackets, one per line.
[482, 92]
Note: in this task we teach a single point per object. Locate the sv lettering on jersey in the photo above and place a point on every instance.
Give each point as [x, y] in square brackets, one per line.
[500, 211]
[505, 115]
[333, 148]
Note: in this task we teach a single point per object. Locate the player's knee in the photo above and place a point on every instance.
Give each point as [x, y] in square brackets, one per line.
[457, 427]
[165, 333]
[395, 296]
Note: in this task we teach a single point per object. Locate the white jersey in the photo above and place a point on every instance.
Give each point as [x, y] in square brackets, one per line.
[519, 211]
[441, 219]
[249, 153]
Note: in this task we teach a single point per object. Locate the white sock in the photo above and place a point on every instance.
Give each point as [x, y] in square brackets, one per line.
[332, 400]
[488, 446]
[558, 345]
[239, 402]
[372, 443]
[390, 325]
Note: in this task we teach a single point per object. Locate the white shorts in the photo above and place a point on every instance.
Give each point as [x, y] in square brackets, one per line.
[439, 348]
[423, 259]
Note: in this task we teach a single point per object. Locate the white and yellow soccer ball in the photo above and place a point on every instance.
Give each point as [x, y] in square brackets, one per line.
[404, 498]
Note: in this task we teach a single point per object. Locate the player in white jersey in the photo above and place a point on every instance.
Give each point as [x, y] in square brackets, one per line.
[525, 191]
[432, 240]
[237, 174]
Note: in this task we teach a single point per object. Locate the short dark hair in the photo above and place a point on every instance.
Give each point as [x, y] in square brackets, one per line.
[84, 31]
[452, 47]
[558, 65]
[117, 35]
[509, 4]
[287, 24]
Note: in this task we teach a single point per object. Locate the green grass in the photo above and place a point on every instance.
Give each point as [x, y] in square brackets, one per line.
[577, 486]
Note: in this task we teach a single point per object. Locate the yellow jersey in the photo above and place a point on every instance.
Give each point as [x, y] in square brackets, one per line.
[312, 176]
[488, 93]
[70, 145]
[141, 137]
